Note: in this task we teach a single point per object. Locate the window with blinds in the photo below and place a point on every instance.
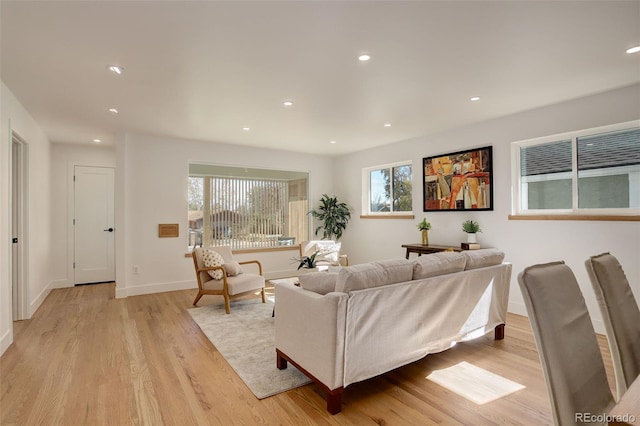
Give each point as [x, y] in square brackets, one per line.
[593, 170]
[246, 208]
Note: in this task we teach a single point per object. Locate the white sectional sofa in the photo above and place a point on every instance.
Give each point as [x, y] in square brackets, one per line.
[349, 325]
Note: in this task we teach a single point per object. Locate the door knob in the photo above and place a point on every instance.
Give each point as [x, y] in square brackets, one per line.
[108, 230]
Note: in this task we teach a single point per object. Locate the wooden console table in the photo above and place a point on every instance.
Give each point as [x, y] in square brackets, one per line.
[427, 248]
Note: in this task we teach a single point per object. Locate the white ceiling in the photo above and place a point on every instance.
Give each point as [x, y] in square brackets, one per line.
[203, 70]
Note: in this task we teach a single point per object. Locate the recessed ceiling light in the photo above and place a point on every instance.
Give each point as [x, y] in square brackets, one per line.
[332, 141]
[113, 110]
[287, 103]
[364, 58]
[115, 69]
[634, 49]
[474, 99]
[387, 124]
[246, 129]
[97, 140]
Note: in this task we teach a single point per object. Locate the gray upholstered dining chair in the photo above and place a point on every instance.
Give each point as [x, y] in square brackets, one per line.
[620, 315]
[219, 274]
[567, 345]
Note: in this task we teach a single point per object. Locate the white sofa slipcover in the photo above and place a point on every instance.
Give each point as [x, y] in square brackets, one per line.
[370, 325]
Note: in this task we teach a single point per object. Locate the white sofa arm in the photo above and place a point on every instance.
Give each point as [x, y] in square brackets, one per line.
[310, 330]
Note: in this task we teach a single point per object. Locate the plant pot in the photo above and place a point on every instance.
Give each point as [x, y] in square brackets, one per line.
[471, 237]
[425, 237]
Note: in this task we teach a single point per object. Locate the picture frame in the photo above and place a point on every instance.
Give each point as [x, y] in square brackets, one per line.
[458, 181]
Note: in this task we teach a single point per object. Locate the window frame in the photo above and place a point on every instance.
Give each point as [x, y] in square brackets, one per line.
[256, 173]
[366, 191]
[517, 209]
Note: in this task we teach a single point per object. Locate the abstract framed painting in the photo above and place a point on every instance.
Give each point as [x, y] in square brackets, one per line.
[459, 181]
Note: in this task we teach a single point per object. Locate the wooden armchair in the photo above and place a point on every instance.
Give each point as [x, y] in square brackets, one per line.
[230, 281]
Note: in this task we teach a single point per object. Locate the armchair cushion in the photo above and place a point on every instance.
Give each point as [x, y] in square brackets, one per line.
[224, 251]
[236, 285]
[211, 258]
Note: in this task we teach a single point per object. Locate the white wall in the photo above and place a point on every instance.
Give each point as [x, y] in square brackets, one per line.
[151, 183]
[524, 242]
[64, 157]
[13, 117]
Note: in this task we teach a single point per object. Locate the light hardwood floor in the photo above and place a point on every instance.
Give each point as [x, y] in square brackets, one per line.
[86, 358]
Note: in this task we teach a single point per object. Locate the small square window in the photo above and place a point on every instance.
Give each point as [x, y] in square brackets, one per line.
[387, 189]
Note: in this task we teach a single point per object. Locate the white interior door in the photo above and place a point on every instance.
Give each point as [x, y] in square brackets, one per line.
[19, 197]
[94, 225]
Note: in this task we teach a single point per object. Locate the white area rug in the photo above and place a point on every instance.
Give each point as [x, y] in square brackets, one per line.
[474, 383]
[246, 340]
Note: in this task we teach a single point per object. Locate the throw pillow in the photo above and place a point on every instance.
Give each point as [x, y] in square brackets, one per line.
[482, 258]
[319, 282]
[232, 268]
[328, 251]
[432, 265]
[212, 258]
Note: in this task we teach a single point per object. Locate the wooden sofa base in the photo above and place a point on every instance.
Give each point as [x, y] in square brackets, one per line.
[499, 332]
[334, 396]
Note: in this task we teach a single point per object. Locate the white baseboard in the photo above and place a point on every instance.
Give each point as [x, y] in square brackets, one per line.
[154, 288]
[35, 304]
[6, 340]
[63, 283]
[518, 308]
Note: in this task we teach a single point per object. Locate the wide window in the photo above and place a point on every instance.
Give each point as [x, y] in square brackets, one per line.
[246, 208]
[594, 171]
[387, 189]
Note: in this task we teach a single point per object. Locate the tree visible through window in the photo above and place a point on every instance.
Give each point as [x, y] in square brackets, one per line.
[389, 189]
[246, 208]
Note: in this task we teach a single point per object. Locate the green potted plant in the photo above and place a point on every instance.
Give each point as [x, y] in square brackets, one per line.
[471, 228]
[308, 262]
[424, 227]
[333, 215]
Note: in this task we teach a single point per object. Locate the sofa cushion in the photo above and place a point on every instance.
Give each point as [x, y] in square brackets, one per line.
[432, 265]
[319, 282]
[482, 258]
[374, 274]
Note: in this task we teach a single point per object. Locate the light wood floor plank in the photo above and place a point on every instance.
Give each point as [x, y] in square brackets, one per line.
[86, 358]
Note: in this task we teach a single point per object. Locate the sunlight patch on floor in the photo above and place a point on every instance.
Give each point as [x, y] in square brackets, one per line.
[474, 383]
